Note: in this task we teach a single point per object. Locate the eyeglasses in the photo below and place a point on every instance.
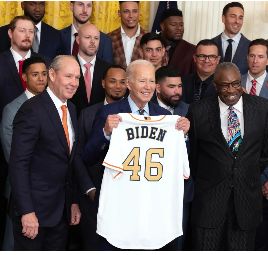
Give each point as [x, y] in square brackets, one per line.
[226, 85]
[203, 57]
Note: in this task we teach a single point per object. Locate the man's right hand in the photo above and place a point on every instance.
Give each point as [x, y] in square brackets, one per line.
[30, 225]
[112, 121]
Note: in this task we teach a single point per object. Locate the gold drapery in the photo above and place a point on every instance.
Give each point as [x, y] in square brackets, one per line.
[58, 14]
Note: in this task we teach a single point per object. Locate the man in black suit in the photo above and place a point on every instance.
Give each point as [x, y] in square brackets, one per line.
[228, 141]
[82, 11]
[199, 84]
[114, 84]
[232, 44]
[90, 90]
[47, 40]
[43, 144]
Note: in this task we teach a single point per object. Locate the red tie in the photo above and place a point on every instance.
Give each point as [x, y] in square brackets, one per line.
[253, 88]
[87, 78]
[75, 46]
[24, 84]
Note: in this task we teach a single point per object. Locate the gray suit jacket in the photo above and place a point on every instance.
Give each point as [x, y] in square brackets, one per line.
[240, 56]
[264, 94]
[8, 116]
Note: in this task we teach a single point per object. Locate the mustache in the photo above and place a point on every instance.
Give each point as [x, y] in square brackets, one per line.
[27, 40]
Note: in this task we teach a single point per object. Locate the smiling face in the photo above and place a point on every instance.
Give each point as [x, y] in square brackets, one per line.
[228, 86]
[233, 21]
[141, 84]
[64, 80]
[129, 14]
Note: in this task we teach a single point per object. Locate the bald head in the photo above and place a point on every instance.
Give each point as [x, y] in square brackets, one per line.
[88, 40]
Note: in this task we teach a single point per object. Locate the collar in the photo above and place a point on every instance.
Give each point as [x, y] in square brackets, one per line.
[29, 94]
[57, 102]
[260, 79]
[137, 32]
[238, 106]
[73, 30]
[236, 38]
[82, 61]
[167, 107]
[134, 108]
[17, 57]
[38, 26]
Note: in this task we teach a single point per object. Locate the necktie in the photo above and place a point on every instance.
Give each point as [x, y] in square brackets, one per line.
[35, 45]
[87, 78]
[75, 46]
[253, 88]
[64, 123]
[228, 52]
[24, 84]
[141, 111]
[234, 137]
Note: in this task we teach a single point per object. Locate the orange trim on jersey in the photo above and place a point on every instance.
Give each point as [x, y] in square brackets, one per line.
[149, 118]
[116, 168]
[117, 175]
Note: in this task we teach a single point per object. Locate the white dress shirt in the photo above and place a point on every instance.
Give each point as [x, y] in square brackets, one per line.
[128, 43]
[260, 81]
[225, 43]
[224, 112]
[58, 103]
[17, 57]
[38, 26]
[169, 108]
[28, 94]
[82, 62]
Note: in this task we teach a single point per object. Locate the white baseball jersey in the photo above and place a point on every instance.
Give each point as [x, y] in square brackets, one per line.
[141, 198]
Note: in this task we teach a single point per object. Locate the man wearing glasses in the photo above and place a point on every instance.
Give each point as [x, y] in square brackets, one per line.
[228, 141]
[199, 84]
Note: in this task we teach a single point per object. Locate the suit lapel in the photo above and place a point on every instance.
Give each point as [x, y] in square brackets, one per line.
[73, 116]
[13, 70]
[239, 51]
[67, 39]
[55, 120]
[120, 49]
[264, 89]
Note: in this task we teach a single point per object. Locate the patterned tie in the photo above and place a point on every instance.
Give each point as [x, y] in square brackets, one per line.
[35, 45]
[234, 137]
[87, 78]
[253, 88]
[141, 111]
[24, 84]
[228, 52]
[75, 46]
[64, 123]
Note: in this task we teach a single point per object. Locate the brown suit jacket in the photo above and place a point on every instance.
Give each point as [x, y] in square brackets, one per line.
[118, 49]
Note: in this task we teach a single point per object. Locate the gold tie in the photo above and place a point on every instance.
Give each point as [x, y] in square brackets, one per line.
[64, 123]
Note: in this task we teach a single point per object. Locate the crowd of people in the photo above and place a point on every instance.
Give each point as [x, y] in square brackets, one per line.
[70, 180]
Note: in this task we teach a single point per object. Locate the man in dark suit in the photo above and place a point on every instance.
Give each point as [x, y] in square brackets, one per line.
[141, 85]
[47, 40]
[256, 83]
[228, 137]
[34, 72]
[199, 84]
[90, 90]
[82, 11]
[232, 44]
[126, 39]
[43, 144]
[169, 96]
[114, 84]
[180, 52]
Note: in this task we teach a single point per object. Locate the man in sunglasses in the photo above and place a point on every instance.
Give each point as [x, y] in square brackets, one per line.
[228, 150]
[199, 84]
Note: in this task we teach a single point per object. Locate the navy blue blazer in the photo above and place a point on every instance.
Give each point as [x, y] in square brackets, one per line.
[10, 83]
[97, 145]
[40, 161]
[105, 51]
[50, 41]
[240, 57]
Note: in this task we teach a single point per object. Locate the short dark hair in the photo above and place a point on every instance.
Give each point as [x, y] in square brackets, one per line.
[171, 12]
[13, 22]
[164, 72]
[150, 37]
[110, 67]
[230, 5]
[259, 41]
[121, 2]
[30, 61]
[207, 42]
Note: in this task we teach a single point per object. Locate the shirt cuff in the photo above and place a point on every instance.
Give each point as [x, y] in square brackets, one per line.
[87, 192]
[107, 137]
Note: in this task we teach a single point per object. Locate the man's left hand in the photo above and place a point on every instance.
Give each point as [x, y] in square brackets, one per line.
[183, 124]
[75, 214]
